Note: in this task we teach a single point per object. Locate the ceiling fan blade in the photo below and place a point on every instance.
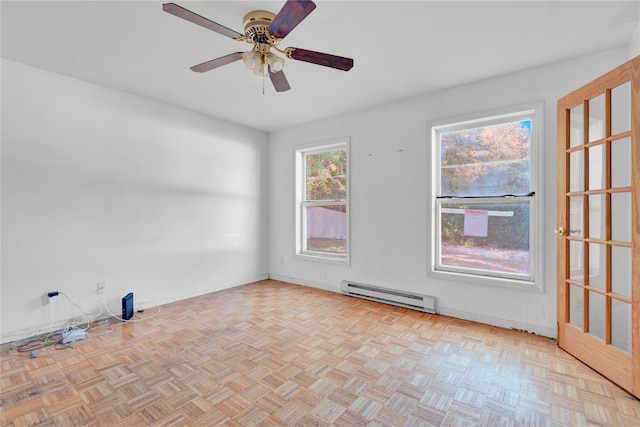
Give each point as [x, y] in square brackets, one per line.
[291, 14]
[183, 13]
[324, 59]
[218, 62]
[279, 81]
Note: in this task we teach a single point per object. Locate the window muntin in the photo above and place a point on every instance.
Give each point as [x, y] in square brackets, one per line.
[484, 206]
[322, 200]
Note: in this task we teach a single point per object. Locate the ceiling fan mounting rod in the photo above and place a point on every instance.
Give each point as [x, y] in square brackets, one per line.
[263, 50]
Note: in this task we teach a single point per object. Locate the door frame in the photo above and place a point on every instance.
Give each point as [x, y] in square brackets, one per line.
[619, 367]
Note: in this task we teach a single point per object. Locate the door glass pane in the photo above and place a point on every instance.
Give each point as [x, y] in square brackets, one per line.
[596, 315]
[621, 271]
[486, 236]
[621, 163]
[576, 306]
[596, 168]
[596, 118]
[621, 109]
[597, 266]
[621, 325]
[576, 215]
[576, 120]
[621, 217]
[576, 171]
[576, 263]
[596, 217]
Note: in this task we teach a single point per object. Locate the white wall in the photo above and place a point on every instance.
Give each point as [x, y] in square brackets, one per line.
[99, 185]
[634, 44]
[390, 180]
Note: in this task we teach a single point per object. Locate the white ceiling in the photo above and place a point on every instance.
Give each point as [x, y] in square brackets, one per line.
[400, 48]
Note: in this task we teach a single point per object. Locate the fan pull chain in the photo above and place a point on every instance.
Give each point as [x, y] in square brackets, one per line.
[263, 85]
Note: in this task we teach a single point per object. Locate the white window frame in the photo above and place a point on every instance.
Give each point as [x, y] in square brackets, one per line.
[300, 153]
[533, 281]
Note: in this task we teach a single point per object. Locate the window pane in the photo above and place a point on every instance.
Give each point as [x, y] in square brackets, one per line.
[596, 168]
[621, 271]
[621, 163]
[597, 223]
[326, 175]
[621, 210]
[576, 306]
[326, 229]
[596, 118]
[596, 315]
[621, 321]
[576, 215]
[487, 236]
[486, 161]
[576, 261]
[576, 171]
[597, 266]
[621, 109]
[576, 119]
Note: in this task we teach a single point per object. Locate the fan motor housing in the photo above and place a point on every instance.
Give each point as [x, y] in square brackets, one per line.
[256, 26]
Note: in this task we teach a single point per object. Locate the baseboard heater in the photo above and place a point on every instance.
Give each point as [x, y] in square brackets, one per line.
[389, 296]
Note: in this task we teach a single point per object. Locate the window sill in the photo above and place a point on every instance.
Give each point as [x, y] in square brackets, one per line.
[496, 282]
[323, 258]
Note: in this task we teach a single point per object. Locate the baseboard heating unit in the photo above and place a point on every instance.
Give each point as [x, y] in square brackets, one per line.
[389, 296]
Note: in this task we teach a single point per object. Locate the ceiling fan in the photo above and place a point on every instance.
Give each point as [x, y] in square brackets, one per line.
[264, 31]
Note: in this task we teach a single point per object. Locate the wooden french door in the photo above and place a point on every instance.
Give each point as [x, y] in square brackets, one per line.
[599, 225]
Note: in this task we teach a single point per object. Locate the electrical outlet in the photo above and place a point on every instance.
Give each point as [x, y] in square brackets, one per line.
[102, 287]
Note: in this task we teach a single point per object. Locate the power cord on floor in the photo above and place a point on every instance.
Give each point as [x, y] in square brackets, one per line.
[34, 344]
[90, 324]
[139, 310]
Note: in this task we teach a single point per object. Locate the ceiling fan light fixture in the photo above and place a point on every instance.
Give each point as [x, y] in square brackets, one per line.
[261, 70]
[275, 63]
[250, 59]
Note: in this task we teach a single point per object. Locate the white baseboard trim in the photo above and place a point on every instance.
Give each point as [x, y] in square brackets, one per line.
[19, 335]
[308, 283]
[496, 321]
[445, 311]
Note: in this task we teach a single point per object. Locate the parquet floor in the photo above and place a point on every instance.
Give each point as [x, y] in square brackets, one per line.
[271, 353]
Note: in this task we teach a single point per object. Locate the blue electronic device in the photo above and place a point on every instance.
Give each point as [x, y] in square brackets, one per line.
[127, 306]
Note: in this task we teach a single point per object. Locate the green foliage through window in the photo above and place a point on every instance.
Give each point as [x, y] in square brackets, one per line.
[486, 161]
[326, 175]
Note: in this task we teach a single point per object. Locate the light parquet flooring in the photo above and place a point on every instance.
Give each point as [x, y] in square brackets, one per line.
[272, 353]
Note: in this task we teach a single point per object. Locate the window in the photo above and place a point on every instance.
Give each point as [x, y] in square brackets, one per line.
[322, 207]
[485, 210]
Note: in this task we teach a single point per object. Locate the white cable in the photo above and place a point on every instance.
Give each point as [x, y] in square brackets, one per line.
[77, 325]
[51, 314]
[132, 320]
[93, 334]
[79, 308]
